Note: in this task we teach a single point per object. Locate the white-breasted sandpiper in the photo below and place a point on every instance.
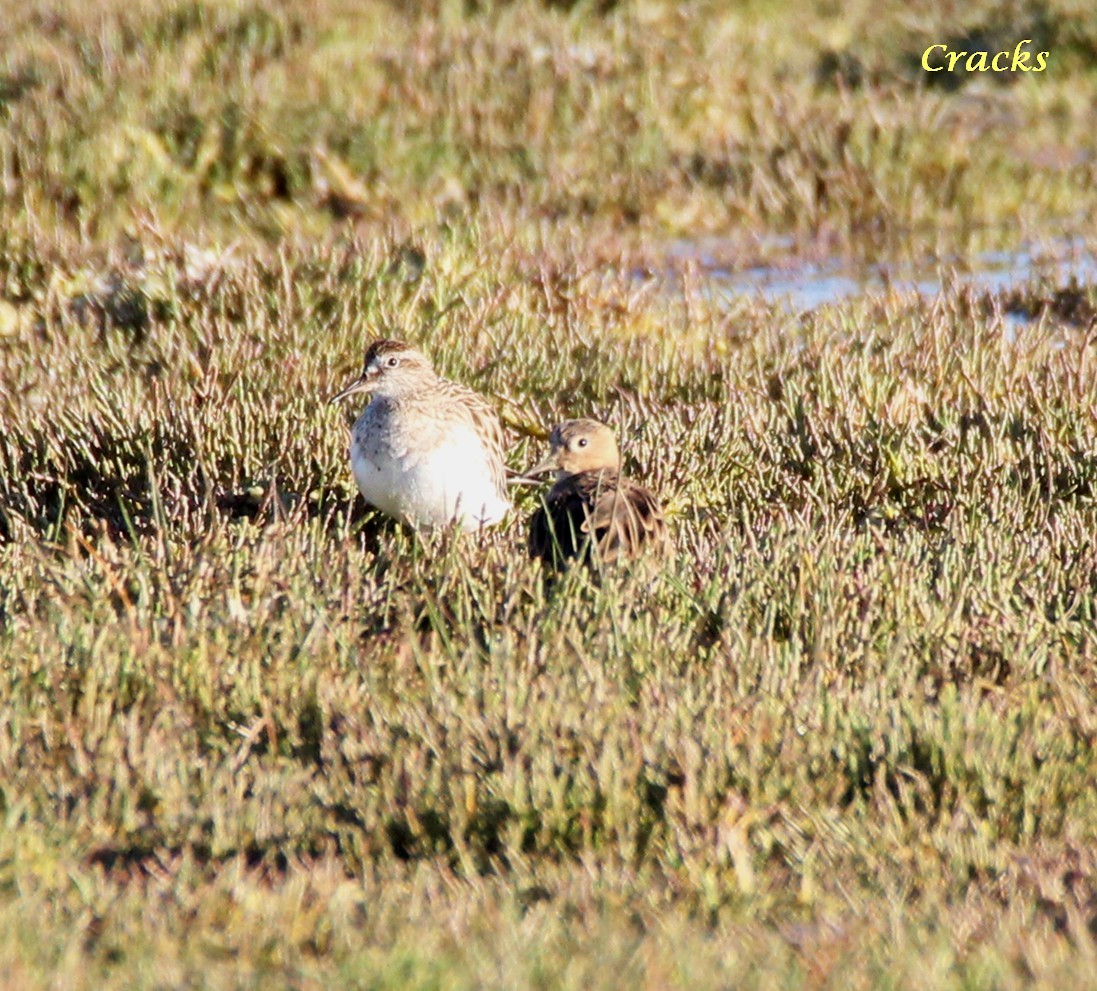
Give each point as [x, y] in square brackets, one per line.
[425, 450]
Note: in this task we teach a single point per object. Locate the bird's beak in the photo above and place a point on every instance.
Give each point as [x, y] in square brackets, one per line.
[364, 383]
[519, 478]
[551, 463]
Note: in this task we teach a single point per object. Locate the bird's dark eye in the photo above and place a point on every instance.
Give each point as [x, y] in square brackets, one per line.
[582, 442]
[393, 362]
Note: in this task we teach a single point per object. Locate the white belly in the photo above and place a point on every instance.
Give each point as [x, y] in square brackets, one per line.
[431, 486]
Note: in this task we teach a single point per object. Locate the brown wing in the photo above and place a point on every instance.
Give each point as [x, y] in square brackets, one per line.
[623, 518]
[486, 422]
[628, 521]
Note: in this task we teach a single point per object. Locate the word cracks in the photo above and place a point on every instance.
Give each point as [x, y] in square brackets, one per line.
[982, 61]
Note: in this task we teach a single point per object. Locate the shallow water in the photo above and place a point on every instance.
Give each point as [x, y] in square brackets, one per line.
[809, 285]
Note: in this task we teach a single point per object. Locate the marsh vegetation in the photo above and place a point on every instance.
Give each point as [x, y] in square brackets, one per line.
[253, 736]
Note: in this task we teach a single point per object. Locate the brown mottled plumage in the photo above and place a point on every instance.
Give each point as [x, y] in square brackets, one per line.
[425, 450]
[593, 512]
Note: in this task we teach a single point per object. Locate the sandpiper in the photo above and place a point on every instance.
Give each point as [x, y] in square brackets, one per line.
[593, 512]
[425, 450]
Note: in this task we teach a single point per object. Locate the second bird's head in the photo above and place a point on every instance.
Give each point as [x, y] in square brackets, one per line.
[579, 445]
[391, 368]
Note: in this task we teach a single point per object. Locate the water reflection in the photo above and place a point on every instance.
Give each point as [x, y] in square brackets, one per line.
[809, 285]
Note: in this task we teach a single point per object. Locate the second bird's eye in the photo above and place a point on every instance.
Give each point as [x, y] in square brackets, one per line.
[393, 362]
[582, 442]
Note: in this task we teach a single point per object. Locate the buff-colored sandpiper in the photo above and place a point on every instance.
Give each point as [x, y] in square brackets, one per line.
[593, 512]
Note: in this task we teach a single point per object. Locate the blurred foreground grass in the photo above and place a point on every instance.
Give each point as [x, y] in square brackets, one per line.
[251, 736]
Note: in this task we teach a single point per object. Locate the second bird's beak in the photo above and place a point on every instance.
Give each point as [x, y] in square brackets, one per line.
[364, 383]
[551, 463]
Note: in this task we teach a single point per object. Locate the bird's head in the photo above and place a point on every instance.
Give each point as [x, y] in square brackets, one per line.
[579, 445]
[392, 369]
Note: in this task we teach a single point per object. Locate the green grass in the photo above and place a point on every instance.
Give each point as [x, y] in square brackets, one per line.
[845, 736]
[287, 119]
[253, 736]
